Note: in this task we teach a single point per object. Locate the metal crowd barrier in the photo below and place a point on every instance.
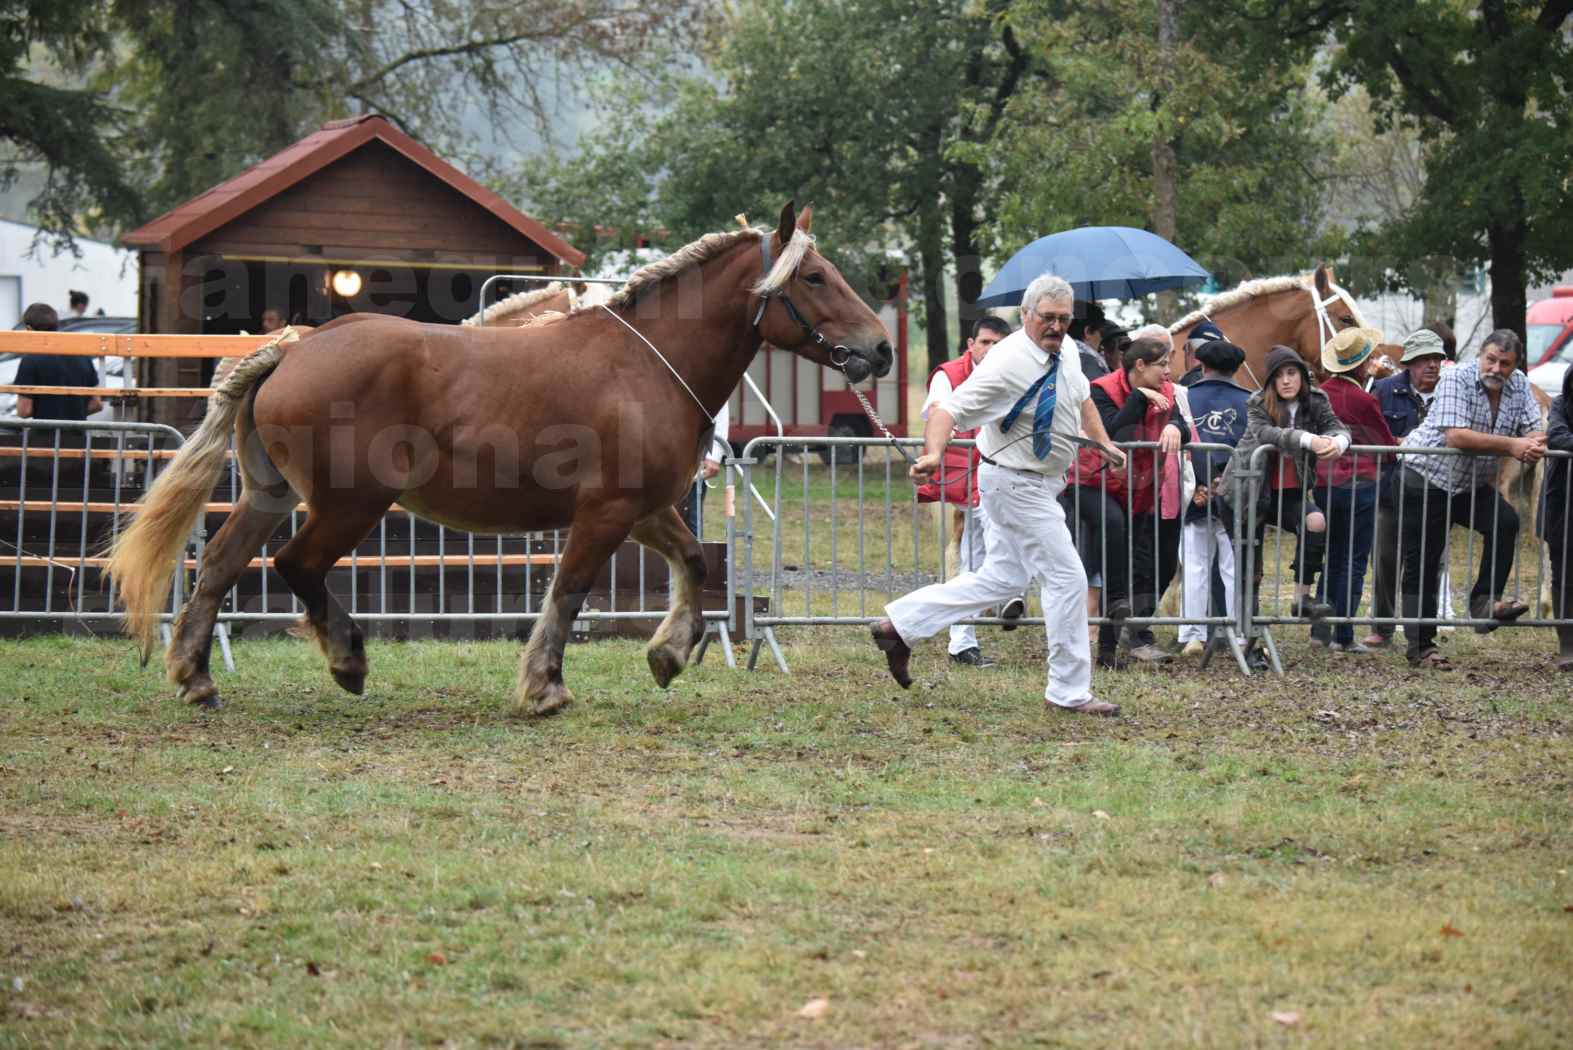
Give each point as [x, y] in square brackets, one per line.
[63, 520]
[829, 546]
[881, 543]
[848, 536]
[73, 482]
[1479, 527]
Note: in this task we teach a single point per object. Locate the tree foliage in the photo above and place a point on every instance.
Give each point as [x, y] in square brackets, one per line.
[882, 111]
[1247, 138]
[173, 96]
[68, 133]
[1485, 84]
[955, 131]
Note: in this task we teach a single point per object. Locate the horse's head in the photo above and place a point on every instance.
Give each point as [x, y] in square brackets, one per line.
[818, 315]
[1331, 310]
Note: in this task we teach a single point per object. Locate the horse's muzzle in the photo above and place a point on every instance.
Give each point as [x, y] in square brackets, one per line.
[861, 363]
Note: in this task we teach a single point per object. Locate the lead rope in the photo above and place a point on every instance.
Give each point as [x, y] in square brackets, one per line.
[868, 410]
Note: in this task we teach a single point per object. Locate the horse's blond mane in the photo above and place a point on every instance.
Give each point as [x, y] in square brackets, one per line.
[689, 255]
[707, 248]
[516, 303]
[1240, 294]
[1255, 289]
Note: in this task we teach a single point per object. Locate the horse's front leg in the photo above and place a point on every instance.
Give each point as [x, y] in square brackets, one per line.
[667, 534]
[591, 541]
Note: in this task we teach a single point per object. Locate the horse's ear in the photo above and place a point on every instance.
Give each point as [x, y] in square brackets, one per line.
[1324, 278]
[788, 222]
[806, 219]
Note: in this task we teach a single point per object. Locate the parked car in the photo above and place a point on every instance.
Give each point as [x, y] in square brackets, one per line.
[1549, 349]
[116, 372]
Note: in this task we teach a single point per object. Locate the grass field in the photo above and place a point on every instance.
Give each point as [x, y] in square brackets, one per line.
[1353, 855]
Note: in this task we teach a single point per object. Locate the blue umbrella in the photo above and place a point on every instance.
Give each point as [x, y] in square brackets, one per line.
[1100, 262]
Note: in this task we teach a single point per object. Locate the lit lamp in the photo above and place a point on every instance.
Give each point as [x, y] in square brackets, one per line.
[346, 283]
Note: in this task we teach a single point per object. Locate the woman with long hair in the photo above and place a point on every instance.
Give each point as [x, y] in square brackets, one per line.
[1293, 416]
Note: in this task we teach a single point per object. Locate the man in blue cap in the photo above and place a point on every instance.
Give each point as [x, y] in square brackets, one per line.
[1200, 336]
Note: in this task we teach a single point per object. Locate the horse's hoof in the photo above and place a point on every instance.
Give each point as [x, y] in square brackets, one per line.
[665, 665]
[351, 680]
[554, 700]
[203, 695]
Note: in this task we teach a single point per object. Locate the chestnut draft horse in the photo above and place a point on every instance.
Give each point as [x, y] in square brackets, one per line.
[1299, 312]
[593, 422]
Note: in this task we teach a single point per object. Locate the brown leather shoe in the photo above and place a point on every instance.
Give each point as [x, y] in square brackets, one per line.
[1012, 612]
[1091, 707]
[897, 654]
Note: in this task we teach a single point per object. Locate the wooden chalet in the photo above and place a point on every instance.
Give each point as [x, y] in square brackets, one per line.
[356, 217]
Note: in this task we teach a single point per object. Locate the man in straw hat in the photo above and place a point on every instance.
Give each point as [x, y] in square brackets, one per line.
[1349, 483]
[1405, 398]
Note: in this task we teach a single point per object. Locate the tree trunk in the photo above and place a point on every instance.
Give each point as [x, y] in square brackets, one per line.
[1165, 166]
[1508, 298]
[931, 258]
[964, 250]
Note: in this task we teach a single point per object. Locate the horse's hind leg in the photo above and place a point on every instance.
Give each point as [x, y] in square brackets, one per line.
[591, 541]
[304, 563]
[224, 558]
[665, 533]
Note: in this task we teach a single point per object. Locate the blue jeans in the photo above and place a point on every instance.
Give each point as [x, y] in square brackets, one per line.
[1351, 529]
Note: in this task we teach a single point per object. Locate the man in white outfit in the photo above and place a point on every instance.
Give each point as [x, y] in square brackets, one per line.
[1030, 401]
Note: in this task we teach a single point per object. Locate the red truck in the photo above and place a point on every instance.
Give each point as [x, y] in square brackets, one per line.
[1549, 347]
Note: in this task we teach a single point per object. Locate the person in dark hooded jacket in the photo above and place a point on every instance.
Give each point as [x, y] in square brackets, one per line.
[1556, 516]
[1291, 415]
[1219, 408]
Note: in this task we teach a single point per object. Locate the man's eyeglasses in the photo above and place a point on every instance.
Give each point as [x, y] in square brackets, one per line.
[1064, 320]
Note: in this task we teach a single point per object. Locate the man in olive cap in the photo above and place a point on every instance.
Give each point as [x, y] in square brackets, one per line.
[1405, 398]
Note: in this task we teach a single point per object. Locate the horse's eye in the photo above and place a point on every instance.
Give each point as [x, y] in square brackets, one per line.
[814, 280]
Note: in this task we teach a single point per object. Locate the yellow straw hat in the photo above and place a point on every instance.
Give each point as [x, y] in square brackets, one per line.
[1348, 349]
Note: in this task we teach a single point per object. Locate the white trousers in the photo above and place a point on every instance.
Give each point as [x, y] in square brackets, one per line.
[973, 547]
[1027, 539]
[1199, 541]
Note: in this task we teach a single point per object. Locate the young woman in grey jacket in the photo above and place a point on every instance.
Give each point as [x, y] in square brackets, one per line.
[1293, 416]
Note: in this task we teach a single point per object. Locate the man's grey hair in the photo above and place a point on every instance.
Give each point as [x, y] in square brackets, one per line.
[1151, 331]
[1046, 286]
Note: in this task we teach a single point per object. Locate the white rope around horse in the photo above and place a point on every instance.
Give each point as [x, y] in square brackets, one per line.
[681, 381]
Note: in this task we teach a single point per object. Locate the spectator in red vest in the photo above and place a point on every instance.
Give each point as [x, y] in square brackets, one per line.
[957, 481]
[1348, 484]
[1138, 403]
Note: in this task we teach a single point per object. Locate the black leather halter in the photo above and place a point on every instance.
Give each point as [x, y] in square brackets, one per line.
[839, 355]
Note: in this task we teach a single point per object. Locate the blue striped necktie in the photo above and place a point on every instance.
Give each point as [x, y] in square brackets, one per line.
[1043, 415]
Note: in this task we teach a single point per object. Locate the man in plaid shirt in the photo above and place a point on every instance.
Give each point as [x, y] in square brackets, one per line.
[1484, 408]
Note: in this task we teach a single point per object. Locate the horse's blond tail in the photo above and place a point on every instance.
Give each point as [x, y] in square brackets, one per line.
[143, 557]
